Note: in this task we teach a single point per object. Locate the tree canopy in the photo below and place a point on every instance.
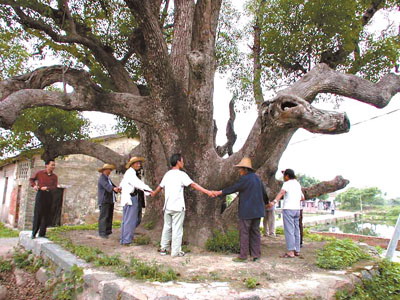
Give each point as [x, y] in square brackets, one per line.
[355, 198]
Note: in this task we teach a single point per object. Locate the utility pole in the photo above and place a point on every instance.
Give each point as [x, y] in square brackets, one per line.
[393, 242]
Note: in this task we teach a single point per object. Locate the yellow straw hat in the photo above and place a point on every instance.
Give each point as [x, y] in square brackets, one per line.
[245, 163]
[105, 167]
[133, 160]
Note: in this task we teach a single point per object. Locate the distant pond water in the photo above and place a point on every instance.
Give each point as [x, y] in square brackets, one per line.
[359, 227]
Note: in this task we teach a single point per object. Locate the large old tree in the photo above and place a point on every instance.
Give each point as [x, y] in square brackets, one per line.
[154, 62]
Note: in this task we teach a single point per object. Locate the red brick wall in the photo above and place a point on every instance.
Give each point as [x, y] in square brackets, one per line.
[370, 240]
[13, 201]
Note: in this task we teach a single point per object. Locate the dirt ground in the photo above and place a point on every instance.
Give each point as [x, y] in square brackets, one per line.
[200, 265]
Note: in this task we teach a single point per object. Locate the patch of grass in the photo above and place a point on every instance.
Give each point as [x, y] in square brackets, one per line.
[251, 283]
[279, 230]
[339, 254]
[136, 268]
[7, 232]
[105, 260]
[5, 265]
[224, 242]
[144, 271]
[315, 237]
[186, 249]
[385, 285]
[142, 240]
[379, 250]
[21, 258]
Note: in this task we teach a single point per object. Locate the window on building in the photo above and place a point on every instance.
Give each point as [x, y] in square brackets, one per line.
[23, 169]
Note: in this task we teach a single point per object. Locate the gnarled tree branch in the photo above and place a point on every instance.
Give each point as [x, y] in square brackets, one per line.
[325, 187]
[293, 112]
[322, 79]
[230, 132]
[128, 105]
[86, 147]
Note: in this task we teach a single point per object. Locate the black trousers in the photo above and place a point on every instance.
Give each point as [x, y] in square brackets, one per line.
[105, 218]
[250, 238]
[41, 213]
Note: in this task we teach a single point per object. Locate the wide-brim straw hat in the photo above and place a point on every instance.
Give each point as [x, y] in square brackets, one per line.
[105, 167]
[133, 160]
[245, 163]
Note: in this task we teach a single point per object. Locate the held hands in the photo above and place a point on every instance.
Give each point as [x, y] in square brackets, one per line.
[213, 194]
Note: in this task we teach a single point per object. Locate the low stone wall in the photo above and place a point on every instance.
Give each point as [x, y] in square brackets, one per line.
[103, 285]
[370, 240]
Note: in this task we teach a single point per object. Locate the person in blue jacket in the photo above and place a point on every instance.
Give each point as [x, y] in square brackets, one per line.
[106, 199]
[252, 200]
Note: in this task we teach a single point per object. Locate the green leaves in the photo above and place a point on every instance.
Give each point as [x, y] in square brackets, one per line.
[353, 198]
[339, 254]
[14, 54]
[49, 124]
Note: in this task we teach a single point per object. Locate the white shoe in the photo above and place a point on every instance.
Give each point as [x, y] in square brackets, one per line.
[180, 254]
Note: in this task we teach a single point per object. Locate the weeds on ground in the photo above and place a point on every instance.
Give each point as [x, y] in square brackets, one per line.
[105, 260]
[70, 285]
[224, 242]
[339, 254]
[279, 230]
[385, 285]
[142, 240]
[149, 226]
[144, 271]
[7, 232]
[27, 261]
[5, 265]
[315, 237]
[136, 268]
[251, 283]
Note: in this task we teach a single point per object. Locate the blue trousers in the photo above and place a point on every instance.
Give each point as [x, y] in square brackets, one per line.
[131, 218]
[292, 229]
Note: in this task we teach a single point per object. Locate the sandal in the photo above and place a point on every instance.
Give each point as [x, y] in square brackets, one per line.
[287, 256]
[296, 253]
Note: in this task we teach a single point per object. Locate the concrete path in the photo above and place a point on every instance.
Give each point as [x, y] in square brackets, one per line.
[7, 245]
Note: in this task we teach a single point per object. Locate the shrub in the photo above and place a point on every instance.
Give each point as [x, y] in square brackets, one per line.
[339, 254]
[224, 242]
[385, 285]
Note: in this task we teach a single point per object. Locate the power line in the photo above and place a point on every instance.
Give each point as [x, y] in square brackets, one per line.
[352, 125]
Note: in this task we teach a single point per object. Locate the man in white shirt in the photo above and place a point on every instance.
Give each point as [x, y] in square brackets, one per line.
[292, 195]
[174, 182]
[132, 199]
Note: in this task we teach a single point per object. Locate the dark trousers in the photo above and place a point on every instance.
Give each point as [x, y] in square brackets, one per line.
[250, 238]
[105, 218]
[43, 202]
[301, 227]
